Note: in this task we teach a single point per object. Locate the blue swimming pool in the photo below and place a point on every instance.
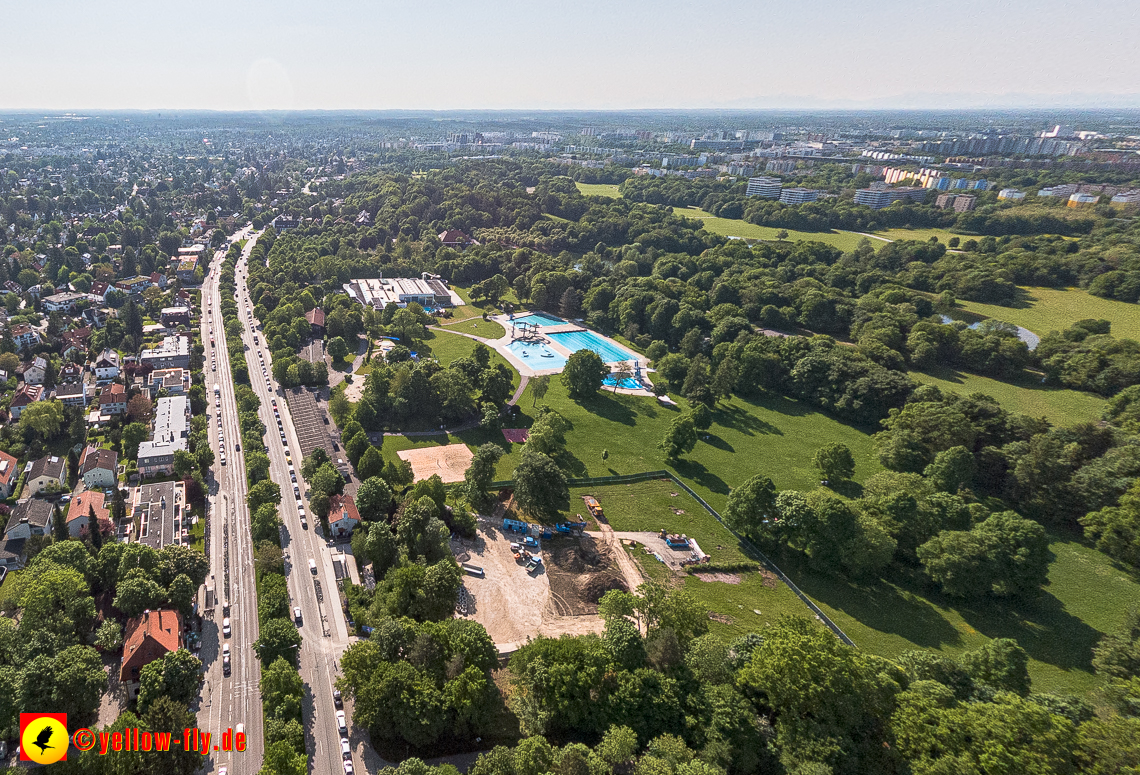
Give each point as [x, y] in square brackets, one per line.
[588, 340]
[540, 319]
[537, 355]
[628, 382]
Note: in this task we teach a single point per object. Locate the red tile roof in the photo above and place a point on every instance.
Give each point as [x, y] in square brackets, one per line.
[341, 506]
[149, 637]
[82, 503]
[8, 472]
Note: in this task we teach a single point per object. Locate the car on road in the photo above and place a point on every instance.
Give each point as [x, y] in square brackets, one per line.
[338, 702]
[313, 567]
[348, 767]
[297, 615]
[225, 659]
[341, 725]
[226, 627]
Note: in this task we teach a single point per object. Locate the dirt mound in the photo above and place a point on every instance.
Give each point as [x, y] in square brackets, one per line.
[581, 570]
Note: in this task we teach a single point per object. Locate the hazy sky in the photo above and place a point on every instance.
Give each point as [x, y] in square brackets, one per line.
[241, 54]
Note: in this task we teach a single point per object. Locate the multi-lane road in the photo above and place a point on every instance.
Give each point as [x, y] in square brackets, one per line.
[234, 698]
[312, 586]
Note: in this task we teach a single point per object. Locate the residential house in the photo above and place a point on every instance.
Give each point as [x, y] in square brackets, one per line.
[79, 512]
[63, 302]
[176, 382]
[70, 372]
[343, 516]
[48, 471]
[174, 316]
[99, 291]
[158, 280]
[12, 553]
[36, 372]
[72, 394]
[113, 399]
[134, 285]
[454, 238]
[25, 336]
[157, 511]
[33, 517]
[316, 318]
[9, 474]
[185, 269]
[25, 396]
[98, 468]
[148, 637]
[107, 366]
[174, 351]
[171, 434]
[75, 341]
[95, 317]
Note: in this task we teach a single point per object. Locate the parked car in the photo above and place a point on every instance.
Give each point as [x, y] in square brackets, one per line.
[226, 627]
[297, 615]
[338, 702]
[340, 722]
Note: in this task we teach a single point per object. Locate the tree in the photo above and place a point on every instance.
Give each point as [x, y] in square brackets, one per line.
[724, 381]
[952, 469]
[137, 593]
[181, 594]
[139, 409]
[621, 374]
[134, 434]
[371, 463]
[183, 463]
[42, 419]
[373, 498]
[282, 689]
[256, 465]
[281, 759]
[835, 462]
[315, 460]
[481, 473]
[109, 636]
[279, 640]
[702, 417]
[698, 384]
[584, 373]
[540, 485]
[538, 387]
[338, 349]
[679, 439]
[751, 506]
[78, 680]
[1001, 663]
[176, 675]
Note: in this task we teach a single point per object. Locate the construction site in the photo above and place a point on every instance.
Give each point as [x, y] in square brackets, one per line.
[523, 580]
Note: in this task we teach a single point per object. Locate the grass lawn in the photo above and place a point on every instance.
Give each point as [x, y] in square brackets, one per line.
[198, 535]
[1026, 396]
[734, 227]
[488, 329]
[652, 505]
[447, 347]
[1042, 310]
[1086, 597]
[774, 436]
[922, 235]
[599, 189]
[469, 308]
[758, 600]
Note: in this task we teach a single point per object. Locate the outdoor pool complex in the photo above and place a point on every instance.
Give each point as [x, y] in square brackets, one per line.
[537, 355]
[540, 319]
[588, 340]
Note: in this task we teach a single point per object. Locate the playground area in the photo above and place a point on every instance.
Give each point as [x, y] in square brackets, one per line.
[450, 461]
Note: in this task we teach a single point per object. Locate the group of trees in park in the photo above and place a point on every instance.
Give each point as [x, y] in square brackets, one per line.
[407, 540]
[49, 650]
[950, 460]
[398, 390]
[657, 693]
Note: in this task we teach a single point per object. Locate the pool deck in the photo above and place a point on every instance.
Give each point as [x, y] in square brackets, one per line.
[526, 370]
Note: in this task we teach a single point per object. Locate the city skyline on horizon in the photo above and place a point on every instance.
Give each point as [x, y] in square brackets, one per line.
[353, 55]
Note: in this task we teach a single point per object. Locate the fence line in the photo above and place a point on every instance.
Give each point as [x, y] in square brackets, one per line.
[750, 547]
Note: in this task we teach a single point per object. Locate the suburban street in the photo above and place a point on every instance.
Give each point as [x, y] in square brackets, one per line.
[322, 626]
[235, 699]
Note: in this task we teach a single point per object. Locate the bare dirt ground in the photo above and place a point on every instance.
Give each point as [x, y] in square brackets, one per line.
[582, 569]
[655, 544]
[510, 603]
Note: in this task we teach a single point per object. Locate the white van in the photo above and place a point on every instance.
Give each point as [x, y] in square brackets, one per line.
[313, 567]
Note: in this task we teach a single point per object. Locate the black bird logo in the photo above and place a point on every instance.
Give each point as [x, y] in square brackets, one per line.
[42, 738]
